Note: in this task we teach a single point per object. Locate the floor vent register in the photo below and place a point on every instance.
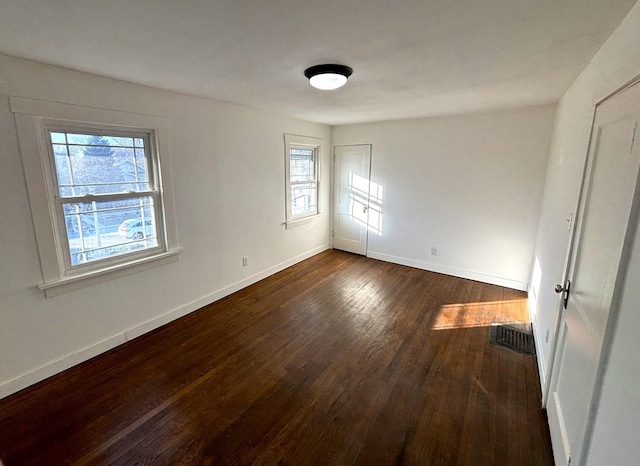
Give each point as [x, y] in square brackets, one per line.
[512, 338]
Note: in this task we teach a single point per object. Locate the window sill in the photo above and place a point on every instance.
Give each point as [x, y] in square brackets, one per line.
[303, 221]
[74, 282]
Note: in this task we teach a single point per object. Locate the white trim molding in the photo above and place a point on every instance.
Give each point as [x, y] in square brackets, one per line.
[453, 271]
[32, 119]
[537, 338]
[292, 141]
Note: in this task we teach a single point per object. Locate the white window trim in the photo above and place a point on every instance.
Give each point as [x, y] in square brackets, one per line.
[32, 116]
[315, 143]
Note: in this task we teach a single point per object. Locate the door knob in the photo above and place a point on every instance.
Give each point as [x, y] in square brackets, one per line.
[564, 289]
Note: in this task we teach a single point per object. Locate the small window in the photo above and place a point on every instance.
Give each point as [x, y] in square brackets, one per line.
[302, 161]
[100, 190]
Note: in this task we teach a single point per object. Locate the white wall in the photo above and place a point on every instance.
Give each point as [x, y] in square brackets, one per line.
[228, 173]
[470, 185]
[617, 62]
[615, 435]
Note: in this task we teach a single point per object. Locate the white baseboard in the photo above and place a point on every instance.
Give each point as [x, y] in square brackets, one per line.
[54, 367]
[558, 433]
[217, 295]
[537, 338]
[454, 271]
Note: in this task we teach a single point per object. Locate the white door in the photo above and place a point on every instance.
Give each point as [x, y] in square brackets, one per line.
[352, 166]
[609, 197]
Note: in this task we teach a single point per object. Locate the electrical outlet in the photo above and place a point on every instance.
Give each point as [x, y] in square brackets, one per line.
[245, 261]
[434, 251]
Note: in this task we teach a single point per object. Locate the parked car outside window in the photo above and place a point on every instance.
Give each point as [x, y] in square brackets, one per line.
[132, 229]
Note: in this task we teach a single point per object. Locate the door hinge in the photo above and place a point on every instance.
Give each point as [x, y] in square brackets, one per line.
[333, 233]
[569, 221]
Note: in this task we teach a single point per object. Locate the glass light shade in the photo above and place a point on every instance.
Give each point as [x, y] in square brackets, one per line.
[328, 81]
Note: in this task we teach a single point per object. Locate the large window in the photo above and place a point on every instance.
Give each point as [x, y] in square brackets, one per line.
[302, 157]
[106, 196]
[98, 200]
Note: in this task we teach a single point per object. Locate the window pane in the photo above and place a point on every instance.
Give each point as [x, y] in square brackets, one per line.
[101, 230]
[303, 199]
[141, 165]
[302, 165]
[90, 164]
[58, 138]
[95, 141]
[61, 157]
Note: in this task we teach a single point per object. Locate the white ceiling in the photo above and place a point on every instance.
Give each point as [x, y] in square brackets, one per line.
[411, 58]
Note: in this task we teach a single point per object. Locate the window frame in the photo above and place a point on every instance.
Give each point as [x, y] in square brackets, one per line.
[35, 120]
[302, 142]
[50, 126]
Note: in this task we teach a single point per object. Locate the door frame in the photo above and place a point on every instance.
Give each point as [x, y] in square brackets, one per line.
[614, 310]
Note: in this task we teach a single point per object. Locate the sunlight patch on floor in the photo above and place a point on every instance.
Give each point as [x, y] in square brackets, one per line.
[480, 314]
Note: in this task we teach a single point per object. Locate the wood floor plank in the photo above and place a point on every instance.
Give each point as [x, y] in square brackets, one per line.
[337, 360]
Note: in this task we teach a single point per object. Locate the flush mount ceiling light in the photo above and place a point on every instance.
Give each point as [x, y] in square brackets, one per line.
[328, 77]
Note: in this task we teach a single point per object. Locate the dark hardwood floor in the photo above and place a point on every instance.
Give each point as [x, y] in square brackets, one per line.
[337, 360]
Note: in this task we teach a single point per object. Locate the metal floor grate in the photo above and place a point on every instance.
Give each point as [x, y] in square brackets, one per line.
[512, 338]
